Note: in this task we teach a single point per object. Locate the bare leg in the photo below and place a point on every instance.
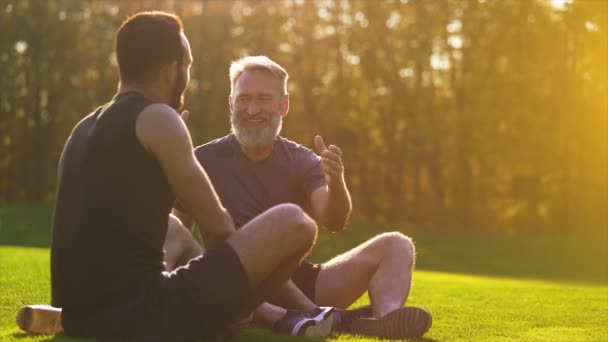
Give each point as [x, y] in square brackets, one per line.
[383, 266]
[277, 239]
[269, 314]
[180, 246]
[272, 245]
[270, 248]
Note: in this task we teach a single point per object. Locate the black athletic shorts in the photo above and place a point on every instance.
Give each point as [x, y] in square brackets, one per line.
[194, 302]
[305, 278]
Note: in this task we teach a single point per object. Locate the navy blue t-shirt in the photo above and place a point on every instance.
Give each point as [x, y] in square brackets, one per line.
[249, 187]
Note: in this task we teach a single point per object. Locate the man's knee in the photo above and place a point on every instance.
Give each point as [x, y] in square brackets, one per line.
[398, 245]
[297, 224]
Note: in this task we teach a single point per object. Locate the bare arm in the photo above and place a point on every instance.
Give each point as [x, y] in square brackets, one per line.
[163, 133]
[331, 205]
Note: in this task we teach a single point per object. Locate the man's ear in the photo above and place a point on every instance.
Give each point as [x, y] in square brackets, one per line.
[285, 105]
[230, 103]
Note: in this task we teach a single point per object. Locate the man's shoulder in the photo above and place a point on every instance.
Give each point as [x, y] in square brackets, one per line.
[83, 126]
[217, 147]
[292, 145]
[298, 151]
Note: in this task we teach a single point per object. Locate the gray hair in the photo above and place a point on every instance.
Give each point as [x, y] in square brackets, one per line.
[248, 63]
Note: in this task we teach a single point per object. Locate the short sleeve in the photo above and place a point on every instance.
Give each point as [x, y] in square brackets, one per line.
[312, 174]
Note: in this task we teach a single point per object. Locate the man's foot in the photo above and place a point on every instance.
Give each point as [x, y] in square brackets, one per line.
[315, 323]
[401, 323]
[344, 318]
[40, 319]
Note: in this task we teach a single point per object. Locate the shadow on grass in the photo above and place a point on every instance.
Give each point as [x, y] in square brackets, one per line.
[25, 225]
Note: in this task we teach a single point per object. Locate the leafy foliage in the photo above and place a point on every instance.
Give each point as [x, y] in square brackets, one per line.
[452, 114]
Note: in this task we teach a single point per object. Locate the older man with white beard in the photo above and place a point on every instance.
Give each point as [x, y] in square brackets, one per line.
[254, 168]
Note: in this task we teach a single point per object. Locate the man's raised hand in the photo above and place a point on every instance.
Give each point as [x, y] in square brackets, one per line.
[331, 162]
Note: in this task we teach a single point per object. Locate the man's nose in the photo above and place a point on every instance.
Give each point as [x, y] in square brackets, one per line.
[254, 107]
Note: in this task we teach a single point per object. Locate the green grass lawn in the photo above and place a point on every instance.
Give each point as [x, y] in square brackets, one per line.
[478, 287]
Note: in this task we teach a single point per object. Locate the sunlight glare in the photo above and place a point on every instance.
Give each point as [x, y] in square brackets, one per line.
[393, 20]
[454, 26]
[591, 26]
[440, 61]
[21, 46]
[406, 72]
[455, 41]
[560, 4]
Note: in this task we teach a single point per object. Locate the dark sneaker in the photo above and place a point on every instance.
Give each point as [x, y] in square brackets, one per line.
[40, 319]
[315, 323]
[402, 323]
[344, 318]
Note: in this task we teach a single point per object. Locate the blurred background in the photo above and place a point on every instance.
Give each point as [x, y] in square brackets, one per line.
[476, 115]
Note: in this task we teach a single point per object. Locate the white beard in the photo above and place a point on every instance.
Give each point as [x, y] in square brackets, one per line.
[257, 139]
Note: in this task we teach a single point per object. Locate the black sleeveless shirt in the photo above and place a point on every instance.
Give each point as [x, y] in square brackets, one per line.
[111, 213]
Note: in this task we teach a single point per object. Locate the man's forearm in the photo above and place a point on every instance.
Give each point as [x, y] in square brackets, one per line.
[339, 207]
[222, 227]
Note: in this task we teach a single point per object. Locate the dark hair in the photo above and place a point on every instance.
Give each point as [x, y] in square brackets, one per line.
[145, 42]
